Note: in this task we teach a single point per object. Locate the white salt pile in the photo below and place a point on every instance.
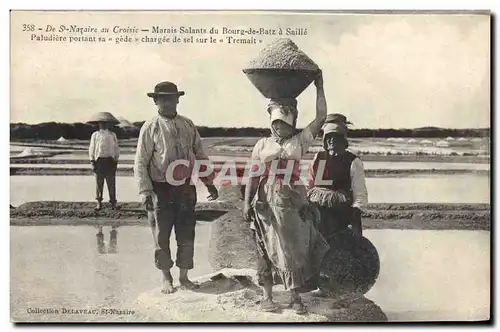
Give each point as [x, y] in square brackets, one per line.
[442, 144]
[232, 295]
[29, 152]
[124, 123]
[283, 53]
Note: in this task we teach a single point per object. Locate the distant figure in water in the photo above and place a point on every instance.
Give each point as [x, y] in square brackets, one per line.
[102, 246]
[113, 240]
[104, 153]
[170, 199]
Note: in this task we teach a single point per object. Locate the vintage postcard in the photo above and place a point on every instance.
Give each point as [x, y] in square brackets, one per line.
[250, 166]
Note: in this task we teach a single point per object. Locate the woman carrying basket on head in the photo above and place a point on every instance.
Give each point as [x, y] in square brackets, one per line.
[290, 247]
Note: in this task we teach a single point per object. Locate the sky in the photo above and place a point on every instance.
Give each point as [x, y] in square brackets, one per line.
[380, 70]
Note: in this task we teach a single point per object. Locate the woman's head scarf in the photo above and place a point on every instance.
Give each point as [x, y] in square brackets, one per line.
[284, 110]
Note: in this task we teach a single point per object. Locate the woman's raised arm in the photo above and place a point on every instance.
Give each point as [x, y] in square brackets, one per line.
[321, 109]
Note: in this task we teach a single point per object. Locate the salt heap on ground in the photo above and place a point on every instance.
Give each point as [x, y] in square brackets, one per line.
[62, 140]
[442, 144]
[29, 152]
[232, 295]
[124, 123]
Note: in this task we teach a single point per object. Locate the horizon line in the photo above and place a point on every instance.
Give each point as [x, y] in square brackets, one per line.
[252, 127]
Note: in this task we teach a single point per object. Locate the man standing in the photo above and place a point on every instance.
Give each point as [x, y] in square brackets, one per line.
[168, 140]
[104, 153]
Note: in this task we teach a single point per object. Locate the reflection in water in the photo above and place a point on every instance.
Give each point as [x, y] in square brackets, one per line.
[107, 282]
[107, 269]
[113, 240]
[112, 246]
[69, 273]
[100, 241]
[442, 189]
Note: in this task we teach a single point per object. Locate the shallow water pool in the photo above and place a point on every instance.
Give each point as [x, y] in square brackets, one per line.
[70, 273]
[74, 189]
[63, 166]
[84, 156]
[422, 189]
[240, 161]
[438, 275]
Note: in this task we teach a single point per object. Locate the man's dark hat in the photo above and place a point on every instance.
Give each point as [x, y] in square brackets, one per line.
[165, 89]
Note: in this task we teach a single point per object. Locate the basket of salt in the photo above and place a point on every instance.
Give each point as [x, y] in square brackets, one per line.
[351, 266]
[281, 70]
